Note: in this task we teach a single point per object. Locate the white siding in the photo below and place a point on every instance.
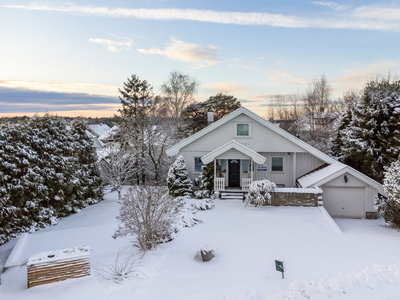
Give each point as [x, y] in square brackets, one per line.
[339, 182]
[370, 193]
[262, 139]
[305, 162]
[189, 160]
[285, 177]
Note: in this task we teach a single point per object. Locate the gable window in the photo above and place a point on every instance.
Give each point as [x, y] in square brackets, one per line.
[277, 164]
[197, 164]
[242, 129]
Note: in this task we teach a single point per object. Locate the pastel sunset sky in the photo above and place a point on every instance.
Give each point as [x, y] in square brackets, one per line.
[70, 58]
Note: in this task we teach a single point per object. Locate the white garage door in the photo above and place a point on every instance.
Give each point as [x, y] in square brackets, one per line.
[344, 202]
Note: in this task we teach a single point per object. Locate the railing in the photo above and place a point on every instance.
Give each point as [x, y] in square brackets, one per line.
[219, 184]
[245, 184]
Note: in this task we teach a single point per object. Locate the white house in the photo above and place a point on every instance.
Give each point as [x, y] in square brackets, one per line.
[245, 147]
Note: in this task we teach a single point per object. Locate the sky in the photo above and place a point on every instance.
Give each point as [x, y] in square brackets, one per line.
[70, 58]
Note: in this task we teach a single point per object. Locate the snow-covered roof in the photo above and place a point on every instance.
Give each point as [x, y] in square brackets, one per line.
[106, 135]
[99, 129]
[332, 171]
[314, 190]
[174, 150]
[209, 157]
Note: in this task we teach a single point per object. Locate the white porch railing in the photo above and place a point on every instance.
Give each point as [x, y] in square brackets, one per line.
[219, 184]
[245, 184]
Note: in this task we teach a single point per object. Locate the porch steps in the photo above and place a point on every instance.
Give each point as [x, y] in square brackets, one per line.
[232, 195]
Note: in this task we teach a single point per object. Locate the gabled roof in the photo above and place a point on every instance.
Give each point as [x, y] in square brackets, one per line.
[209, 157]
[174, 150]
[322, 176]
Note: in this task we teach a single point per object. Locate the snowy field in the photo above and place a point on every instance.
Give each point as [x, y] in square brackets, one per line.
[362, 262]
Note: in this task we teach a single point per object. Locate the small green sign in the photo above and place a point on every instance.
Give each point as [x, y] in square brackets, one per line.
[279, 267]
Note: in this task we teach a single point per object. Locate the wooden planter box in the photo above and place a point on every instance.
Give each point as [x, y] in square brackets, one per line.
[48, 267]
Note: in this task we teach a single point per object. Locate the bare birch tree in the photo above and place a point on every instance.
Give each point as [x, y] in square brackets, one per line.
[118, 166]
[178, 91]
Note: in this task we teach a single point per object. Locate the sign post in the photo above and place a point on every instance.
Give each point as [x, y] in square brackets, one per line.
[279, 267]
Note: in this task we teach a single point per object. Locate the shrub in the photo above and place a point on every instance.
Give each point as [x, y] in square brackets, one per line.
[120, 270]
[148, 213]
[259, 192]
[389, 208]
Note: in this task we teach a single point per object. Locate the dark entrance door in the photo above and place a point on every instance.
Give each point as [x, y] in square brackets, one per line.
[234, 172]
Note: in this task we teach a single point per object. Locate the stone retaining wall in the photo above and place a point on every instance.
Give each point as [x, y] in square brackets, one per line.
[295, 197]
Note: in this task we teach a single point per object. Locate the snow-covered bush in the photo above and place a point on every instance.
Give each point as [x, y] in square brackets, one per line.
[389, 208]
[259, 192]
[121, 270]
[178, 181]
[148, 213]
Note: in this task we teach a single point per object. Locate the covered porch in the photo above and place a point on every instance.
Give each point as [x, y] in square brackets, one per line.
[234, 166]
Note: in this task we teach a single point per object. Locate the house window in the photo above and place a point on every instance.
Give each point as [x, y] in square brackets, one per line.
[276, 164]
[223, 165]
[242, 130]
[245, 166]
[198, 164]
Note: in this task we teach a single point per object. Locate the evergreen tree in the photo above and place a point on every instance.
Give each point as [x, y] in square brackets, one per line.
[178, 181]
[195, 115]
[389, 207]
[88, 172]
[45, 173]
[369, 136]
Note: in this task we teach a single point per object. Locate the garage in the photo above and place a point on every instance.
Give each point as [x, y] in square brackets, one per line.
[344, 202]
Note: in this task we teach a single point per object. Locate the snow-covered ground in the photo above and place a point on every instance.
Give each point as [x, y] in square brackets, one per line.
[362, 262]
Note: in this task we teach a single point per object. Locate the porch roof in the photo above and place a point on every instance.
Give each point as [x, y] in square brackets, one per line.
[209, 157]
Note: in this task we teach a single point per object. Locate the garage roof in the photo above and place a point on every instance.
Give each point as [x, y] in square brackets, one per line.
[332, 171]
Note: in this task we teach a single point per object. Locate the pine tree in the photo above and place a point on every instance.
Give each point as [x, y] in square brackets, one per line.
[178, 181]
[389, 207]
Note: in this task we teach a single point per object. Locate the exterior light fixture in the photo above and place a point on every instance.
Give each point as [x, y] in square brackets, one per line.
[346, 178]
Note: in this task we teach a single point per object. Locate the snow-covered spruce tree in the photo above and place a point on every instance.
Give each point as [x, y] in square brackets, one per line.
[370, 140]
[88, 173]
[389, 208]
[259, 192]
[206, 181]
[148, 213]
[21, 184]
[55, 148]
[178, 181]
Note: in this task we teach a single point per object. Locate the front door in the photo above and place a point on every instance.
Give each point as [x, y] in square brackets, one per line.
[234, 172]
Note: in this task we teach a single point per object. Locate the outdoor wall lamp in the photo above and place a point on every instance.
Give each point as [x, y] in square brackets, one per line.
[346, 178]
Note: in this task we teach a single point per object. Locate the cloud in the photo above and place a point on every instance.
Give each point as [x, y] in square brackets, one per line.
[113, 46]
[66, 87]
[331, 5]
[288, 78]
[187, 52]
[225, 87]
[383, 18]
[360, 74]
[15, 100]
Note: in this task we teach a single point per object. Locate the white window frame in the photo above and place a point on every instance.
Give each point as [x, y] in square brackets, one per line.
[242, 136]
[283, 164]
